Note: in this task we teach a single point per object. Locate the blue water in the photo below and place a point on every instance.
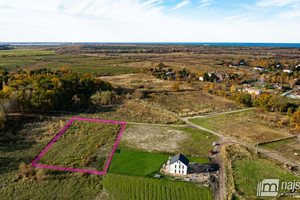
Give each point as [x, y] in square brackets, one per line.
[291, 45]
[287, 45]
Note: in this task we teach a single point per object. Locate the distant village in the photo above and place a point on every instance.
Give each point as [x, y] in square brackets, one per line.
[275, 78]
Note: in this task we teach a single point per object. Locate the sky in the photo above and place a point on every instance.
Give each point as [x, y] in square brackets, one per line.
[264, 21]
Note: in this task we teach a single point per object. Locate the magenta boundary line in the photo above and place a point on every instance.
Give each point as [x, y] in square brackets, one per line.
[34, 163]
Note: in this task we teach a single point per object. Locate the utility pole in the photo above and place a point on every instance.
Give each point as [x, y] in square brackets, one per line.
[256, 145]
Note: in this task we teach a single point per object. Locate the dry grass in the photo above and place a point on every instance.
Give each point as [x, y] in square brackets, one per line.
[83, 145]
[246, 126]
[289, 148]
[139, 80]
[41, 131]
[192, 103]
[133, 111]
[193, 61]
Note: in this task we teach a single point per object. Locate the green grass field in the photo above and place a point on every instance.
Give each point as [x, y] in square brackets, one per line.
[249, 172]
[25, 52]
[199, 142]
[141, 188]
[248, 169]
[34, 59]
[83, 145]
[137, 163]
[287, 148]
[245, 126]
[278, 144]
[141, 163]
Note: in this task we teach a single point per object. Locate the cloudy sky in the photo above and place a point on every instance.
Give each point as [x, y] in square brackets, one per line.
[150, 21]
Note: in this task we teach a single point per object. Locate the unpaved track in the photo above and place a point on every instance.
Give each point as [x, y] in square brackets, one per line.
[214, 114]
[226, 140]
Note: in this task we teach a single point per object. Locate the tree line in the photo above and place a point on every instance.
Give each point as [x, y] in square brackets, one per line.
[44, 90]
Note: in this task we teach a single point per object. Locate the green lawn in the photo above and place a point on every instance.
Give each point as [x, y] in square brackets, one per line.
[79, 143]
[141, 163]
[137, 163]
[141, 188]
[199, 142]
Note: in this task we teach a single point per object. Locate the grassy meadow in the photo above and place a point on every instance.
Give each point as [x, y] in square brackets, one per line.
[287, 148]
[28, 137]
[245, 170]
[132, 111]
[83, 145]
[35, 59]
[81, 60]
[189, 103]
[246, 126]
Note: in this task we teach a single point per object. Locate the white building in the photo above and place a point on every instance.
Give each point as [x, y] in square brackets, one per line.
[253, 91]
[295, 95]
[287, 71]
[259, 68]
[179, 164]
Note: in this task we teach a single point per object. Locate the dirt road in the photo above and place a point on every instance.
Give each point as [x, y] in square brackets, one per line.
[224, 140]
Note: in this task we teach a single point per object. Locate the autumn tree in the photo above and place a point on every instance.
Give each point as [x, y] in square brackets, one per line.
[296, 120]
[232, 89]
[244, 98]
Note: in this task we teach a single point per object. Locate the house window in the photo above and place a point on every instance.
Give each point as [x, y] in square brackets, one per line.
[179, 172]
[182, 171]
[175, 166]
[175, 170]
[179, 166]
[182, 167]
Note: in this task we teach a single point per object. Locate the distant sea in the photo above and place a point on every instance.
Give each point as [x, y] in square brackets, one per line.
[286, 45]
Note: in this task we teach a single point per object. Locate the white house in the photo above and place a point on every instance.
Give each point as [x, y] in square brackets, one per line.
[252, 90]
[295, 95]
[179, 164]
[260, 68]
[287, 71]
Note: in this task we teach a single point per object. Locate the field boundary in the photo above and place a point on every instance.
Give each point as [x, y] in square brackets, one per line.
[34, 163]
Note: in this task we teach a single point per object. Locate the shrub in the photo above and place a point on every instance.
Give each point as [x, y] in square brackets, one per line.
[296, 120]
[140, 94]
[244, 99]
[104, 98]
[175, 87]
[40, 174]
[290, 111]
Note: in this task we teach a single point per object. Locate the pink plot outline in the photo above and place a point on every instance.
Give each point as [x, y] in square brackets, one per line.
[33, 164]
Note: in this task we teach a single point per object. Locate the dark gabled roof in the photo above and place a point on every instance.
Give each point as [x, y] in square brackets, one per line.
[180, 157]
